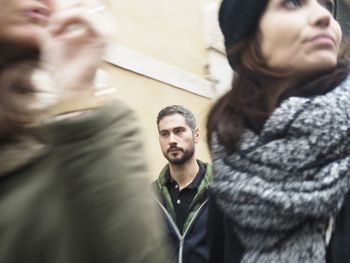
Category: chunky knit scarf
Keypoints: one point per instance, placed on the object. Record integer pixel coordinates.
(281, 188)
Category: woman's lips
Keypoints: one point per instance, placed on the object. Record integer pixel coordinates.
(323, 39)
(39, 13)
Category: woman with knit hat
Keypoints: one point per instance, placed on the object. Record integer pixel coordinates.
(279, 138)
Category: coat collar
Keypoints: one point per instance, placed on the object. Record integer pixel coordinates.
(17, 154)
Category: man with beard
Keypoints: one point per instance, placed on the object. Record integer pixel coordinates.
(182, 186)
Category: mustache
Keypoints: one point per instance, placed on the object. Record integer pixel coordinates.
(174, 148)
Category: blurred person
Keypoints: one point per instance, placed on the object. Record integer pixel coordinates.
(72, 181)
(182, 186)
(279, 138)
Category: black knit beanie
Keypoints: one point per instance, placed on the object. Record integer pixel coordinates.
(239, 19)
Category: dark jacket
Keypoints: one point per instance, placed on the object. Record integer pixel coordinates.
(225, 247)
(338, 250)
(191, 246)
(77, 198)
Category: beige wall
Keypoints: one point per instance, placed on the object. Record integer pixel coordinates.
(169, 31)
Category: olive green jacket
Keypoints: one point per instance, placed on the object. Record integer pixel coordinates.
(81, 196)
(197, 200)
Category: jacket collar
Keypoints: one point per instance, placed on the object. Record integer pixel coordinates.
(17, 154)
(162, 178)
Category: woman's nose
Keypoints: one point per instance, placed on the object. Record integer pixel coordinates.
(320, 16)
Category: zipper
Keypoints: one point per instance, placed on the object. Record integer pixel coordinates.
(181, 237)
(194, 216)
(188, 227)
(168, 217)
(181, 249)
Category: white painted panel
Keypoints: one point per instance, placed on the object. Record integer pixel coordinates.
(220, 72)
(212, 33)
(142, 64)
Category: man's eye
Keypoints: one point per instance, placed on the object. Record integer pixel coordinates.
(179, 131)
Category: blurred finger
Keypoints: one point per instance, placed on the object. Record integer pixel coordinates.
(79, 17)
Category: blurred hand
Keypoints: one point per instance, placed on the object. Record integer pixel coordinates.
(73, 46)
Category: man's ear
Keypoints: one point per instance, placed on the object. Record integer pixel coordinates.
(347, 2)
(196, 135)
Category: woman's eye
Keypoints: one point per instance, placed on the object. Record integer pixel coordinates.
(291, 4)
(329, 5)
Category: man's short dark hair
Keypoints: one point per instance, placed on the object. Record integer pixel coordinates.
(179, 109)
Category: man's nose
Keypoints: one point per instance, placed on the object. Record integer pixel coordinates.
(172, 139)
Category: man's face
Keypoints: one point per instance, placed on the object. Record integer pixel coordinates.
(177, 140)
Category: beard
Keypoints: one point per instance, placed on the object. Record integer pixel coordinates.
(187, 155)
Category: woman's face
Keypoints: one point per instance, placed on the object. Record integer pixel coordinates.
(22, 21)
(300, 36)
